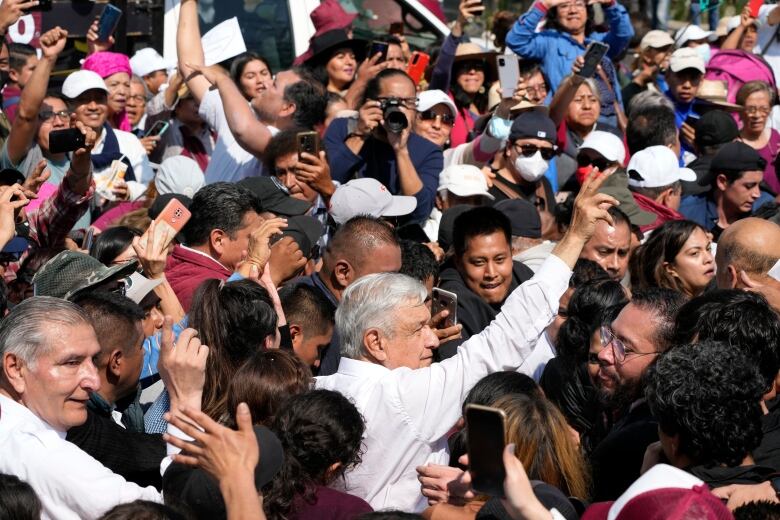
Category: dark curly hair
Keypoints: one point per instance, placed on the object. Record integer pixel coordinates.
(742, 319)
(317, 429)
(553, 23)
(708, 394)
(586, 308)
(665, 305)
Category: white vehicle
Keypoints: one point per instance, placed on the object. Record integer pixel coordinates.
(279, 30)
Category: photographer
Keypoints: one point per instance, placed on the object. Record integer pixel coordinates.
(381, 144)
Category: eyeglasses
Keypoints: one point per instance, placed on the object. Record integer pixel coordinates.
(409, 102)
(48, 115)
(600, 163)
(618, 347)
(138, 98)
(577, 4)
(471, 65)
(539, 90)
(430, 115)
(528, 150)
(751, 111)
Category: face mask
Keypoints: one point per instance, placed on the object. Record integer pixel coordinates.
(531, 168)
(704, 51)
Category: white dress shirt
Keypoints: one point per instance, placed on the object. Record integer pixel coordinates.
(70, 483)
(408, 413)
(130, 146)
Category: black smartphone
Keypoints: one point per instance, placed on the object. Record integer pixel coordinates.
(67, 140)
(108, 22)
(159, 128)
(445, 300)
(378, 47)
(43, 5)
(593, 56)
(486, 437)
(308, 142)
(88, 239)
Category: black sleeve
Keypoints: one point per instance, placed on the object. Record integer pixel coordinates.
(134, 456)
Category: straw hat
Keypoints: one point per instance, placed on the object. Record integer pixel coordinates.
(715, 92)
(472, 52)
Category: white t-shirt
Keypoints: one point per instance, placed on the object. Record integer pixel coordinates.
(230, 162)
(131, 147)
(766, 34)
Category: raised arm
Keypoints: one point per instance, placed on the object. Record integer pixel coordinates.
(523, 38)
(620, 29)
(190, 49)
(25, 125)
(442, 70)
(249, 132)
(510, 338)
(566, 92)
(745, 21)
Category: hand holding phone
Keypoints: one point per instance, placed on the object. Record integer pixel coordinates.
(108, 22)
(508, 74)
(159, 128)
(445, 301)
(168, 223)
(755, 6)
(378, 47)
(486, 436)
(67, 140)
(593, 56)
(308, 142)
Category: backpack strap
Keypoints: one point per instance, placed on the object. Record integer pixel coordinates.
(769, 43)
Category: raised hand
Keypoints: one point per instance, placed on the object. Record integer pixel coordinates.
(182, 366)
(590, 206)
(12, 200)
(442, 329)
(315, 171)
(93, 43)
(287, 259)
(260, 241)
(212, 73)
(81, 162)
(11, 11)
(38, 177)
(152, 250)
(53, 42)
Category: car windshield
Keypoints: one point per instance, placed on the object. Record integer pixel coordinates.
(375, 16)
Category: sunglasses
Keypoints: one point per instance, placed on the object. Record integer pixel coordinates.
(528, 150)
(600, 163)
(430, 115)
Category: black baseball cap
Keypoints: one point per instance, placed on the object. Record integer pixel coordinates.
(447, 224)
(714, 128)
(306, 231)
(274, 197)
(523, 216)
(734, 157)
(533, 124)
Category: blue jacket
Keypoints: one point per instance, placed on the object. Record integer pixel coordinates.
(377, 160)
(703, 210)
(557, 50)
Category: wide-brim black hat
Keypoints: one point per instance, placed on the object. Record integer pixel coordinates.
(323, 46)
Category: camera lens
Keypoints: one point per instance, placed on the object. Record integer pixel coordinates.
(395, 119)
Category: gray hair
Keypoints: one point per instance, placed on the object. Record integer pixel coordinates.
(593, 86)
(648, 99)
(373, 301)
(24, 331)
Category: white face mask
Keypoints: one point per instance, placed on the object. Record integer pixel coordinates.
(531, 168)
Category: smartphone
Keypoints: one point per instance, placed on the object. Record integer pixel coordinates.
(88, 239)
(308, 142)
(43, 5)
(486, 438)
(159, 128)
(378, 47)
(67, 140)
(508, 74)
(172, 219)
(417, 65)
(692, 121)
(109, 19)
(754, 6)
(596, 51)
(445, 300)
(396, 29)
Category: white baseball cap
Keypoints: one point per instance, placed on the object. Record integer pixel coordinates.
(137, 286)
(693, 33)
(179, 174)
(146, 61)
(686, 58)
(428, 99)
(607, 144)
(656, 39)
(80, 81)
(656, 166)
(368, 196)
(464, 180)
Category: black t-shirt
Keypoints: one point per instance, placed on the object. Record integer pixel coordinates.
(528, 192)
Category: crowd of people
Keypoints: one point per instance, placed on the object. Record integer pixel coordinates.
(368, 255)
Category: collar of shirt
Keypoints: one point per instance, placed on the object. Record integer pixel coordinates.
(204, 254)
(18, 417)
(361, 369)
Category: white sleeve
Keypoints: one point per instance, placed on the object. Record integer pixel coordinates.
(142, 168)
(212, 111)
(432, 397)
(763, 14)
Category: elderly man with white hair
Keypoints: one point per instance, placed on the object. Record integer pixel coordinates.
(387, 346)
(47, 346)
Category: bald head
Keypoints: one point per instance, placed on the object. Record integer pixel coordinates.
(751, 245)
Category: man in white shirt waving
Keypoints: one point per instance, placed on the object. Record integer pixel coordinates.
(47, 346)
(410, 405)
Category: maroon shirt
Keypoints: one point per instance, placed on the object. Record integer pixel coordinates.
(329, 504)
(186, 270)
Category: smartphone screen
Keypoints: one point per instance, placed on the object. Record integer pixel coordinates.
(593, 56)
(445, 300)
(159, 128)
(109, 19)
(378, 48)
(486, 439)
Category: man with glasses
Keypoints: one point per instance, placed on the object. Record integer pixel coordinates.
(373, 146)
(526, 157)
(643, 329)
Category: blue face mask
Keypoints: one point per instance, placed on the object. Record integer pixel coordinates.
(704, 51)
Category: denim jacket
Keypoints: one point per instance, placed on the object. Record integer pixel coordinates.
(557, 50)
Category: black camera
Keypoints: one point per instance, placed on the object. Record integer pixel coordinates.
(395, 119)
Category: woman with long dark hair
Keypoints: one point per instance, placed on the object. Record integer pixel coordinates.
(677, 256)
(335, 59)
(321, 433)
(568, 31)
(252, 73)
